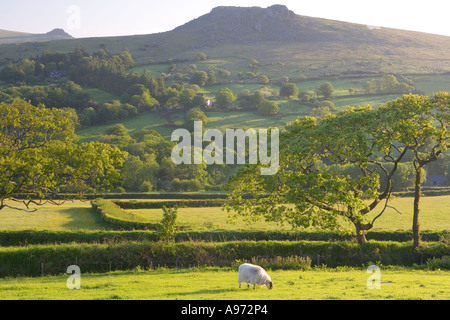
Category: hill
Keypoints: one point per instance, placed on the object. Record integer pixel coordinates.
(287, 43)
(14, 37)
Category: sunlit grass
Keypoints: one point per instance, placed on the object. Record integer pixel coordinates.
(434, 215)
(214, 284)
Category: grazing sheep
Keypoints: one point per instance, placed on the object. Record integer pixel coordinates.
(252, 274)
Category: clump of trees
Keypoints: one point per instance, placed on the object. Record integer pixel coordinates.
(257, 102)
(101, 70)
(388, 84)
(149, 166)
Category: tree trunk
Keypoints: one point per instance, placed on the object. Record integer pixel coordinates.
(417, 194)
(360, 234)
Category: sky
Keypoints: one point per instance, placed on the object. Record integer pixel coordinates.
(93, 18)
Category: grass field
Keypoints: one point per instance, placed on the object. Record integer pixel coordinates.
(214, 284)
(71, 216)
(433, 217)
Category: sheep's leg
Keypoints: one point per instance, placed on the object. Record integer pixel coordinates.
(254, 286)
(239, 285)
(248, 284)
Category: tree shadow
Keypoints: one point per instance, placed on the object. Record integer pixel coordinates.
(82, 218)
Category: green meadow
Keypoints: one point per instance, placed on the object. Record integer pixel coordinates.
(221, 284)
(79, 215)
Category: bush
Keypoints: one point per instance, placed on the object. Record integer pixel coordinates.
(439, 263)
(167, 229)
(288, 89)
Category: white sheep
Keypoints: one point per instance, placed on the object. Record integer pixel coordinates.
(252, 274)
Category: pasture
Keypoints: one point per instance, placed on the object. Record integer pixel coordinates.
(79, 216)
(54, 237)
(221, 284)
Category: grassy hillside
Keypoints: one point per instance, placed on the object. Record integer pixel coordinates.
(284, 42)
(14, 37)
(8, 33)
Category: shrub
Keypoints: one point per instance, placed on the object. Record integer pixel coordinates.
(288, 89)
(439, 263)
(167, 229)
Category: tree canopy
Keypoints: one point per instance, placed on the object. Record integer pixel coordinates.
(41, 159)
(312, 188)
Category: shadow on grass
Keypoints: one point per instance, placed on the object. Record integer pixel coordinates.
(205, 291)
(83, 218)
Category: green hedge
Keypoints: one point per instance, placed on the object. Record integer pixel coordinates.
(128, 196)
(118, 218)
(54, 259)
(29, 237)
(172, 203)
(427, 191)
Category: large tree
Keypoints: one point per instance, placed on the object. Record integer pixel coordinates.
(41, 160)
(422, 124)
(308, 190)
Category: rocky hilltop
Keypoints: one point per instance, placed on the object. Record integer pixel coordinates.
(276, 23)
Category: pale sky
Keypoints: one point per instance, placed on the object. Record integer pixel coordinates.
(92, 18)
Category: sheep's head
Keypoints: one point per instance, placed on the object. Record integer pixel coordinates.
(269, 285)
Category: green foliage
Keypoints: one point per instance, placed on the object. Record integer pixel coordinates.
(200, 56)
(224, 98)
(325, 90)
(40, 158)
(199, 78)
(288, 89)
(258, 102)
(267, 107)
(140, 97)
(388, 84)
(117, 130)
(167, 229)
(317, 194)
(17, 261)
(195, 114)
(263, 79)
(66, 94)
(173, 203)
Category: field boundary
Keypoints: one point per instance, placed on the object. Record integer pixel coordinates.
(31, 237)
(94, 258)
(113, 215)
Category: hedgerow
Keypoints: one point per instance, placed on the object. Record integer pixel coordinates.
(37, 260)
(119, 218)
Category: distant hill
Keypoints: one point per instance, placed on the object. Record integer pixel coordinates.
(14, 37)
(284, 42)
